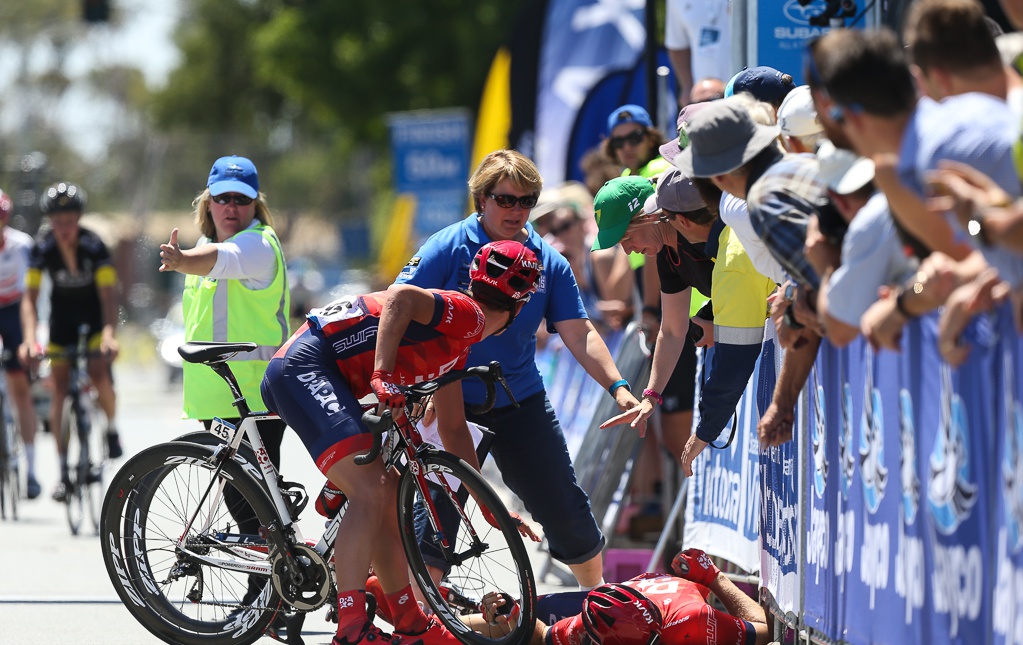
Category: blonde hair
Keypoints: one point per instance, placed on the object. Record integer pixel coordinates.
(498, 166)
(204, 219)
(761, 112)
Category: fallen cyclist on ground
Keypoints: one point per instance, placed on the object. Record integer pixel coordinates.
(648, 609)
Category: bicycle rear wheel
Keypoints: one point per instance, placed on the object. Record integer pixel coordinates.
(167, 577)
(478, 559)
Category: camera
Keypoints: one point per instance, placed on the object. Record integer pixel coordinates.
(834, 13)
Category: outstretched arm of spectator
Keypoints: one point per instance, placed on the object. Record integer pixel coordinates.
(962, 305)
(197, 261)
(913, 213)
(775, 427)
(670, 339)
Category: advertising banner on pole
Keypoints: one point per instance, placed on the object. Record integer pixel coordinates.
(430, 151)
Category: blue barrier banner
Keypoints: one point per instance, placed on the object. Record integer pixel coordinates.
(781, 524)
(430, 151)
(828, 553)
(723, 504)
(955, 421)
(1007, 623)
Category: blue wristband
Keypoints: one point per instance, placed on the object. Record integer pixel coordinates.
(617, 384)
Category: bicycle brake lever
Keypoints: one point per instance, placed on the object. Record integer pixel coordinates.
(376, 425)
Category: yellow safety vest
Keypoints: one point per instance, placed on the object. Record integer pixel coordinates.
(227, 311)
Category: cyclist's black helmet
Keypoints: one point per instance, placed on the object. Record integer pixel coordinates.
(62, 197)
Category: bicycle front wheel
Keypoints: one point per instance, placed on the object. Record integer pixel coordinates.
(457, 542)
(175, 555)
(75, 440)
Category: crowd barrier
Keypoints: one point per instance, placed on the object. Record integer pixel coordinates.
(897, 516)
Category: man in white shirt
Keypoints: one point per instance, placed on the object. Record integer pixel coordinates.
(698, 36)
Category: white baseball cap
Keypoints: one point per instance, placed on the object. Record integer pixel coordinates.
(843, 171)
(796, 114)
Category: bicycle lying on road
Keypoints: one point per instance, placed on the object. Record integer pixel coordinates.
(181, 566)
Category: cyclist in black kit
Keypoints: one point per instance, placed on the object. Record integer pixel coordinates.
(84, 292)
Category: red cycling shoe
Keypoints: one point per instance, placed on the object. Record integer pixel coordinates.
(370, 633)
(434, 634)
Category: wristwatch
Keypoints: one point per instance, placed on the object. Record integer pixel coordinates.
(790, 291)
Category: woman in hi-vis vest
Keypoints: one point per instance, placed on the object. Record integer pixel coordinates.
(236, 290)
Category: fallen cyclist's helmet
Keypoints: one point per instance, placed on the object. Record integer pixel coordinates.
(62, 197)
(509, 267)
(615, 614)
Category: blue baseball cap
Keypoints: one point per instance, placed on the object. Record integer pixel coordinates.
(764, 83)
(233, 175)
(629, 114)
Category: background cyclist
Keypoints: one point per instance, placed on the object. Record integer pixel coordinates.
(84, 292)
(15, 247)
(376, 343)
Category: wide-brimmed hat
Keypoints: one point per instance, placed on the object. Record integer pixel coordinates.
(723, 137)
(671, 149)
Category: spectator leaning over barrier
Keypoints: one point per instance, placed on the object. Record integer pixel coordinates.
(862, 80)
(739, 296)
(782, 192)
(801, 129)
(871, 255)
(764, 83)
(528, 444)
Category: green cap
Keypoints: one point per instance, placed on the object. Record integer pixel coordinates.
(616, 203)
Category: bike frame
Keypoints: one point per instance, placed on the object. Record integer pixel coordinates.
(404, 441)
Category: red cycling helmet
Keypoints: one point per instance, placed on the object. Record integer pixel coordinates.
(6, 205)
(615, 614)
(509, 267)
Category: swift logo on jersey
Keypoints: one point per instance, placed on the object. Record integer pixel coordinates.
(342, 344)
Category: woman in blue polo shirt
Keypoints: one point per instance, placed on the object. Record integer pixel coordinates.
(528, 447)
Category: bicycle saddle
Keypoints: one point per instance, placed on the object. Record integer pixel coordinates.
(209, 352)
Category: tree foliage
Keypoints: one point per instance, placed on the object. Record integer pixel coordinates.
(338, 64)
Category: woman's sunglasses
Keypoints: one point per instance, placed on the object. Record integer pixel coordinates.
(227, 198)
(634, 138)
(508, 201)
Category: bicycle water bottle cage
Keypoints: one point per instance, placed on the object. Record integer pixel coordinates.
(295, 497)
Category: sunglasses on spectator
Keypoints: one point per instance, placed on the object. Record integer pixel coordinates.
(508, 201)
(227, 198)
(634, 138)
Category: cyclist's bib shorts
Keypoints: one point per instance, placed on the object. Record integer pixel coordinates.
(307, 390)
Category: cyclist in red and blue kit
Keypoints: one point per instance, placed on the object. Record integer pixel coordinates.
(377, 343)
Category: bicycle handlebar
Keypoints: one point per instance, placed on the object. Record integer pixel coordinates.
(489, 374)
